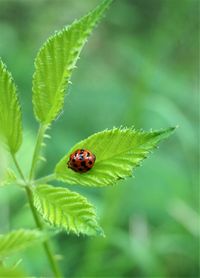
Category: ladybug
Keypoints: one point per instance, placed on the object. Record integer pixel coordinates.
(81, 161)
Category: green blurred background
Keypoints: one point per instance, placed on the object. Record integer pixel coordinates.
(140, 67)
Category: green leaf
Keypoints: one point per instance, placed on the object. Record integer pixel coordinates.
(3, 163)
(8, 178)
(17, 240)
(66, 210)
(118, 152)
(55, 62)
(11, 272)
(10, 113)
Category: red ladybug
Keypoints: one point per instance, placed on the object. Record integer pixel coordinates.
(81, 161)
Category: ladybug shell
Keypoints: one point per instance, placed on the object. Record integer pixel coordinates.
(81, 161)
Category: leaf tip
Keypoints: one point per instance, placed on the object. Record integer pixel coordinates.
(172, 129)
(100, 232)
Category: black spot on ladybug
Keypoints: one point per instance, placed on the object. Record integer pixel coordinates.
(83, 163)
(81, 157)
(90, 162)
(80, 169)
(73, 159)
(88, 154)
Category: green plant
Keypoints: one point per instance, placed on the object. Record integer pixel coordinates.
(118, 151)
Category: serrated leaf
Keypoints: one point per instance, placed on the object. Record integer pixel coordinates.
(66, 210)
(10, 113)
(17, 240)
(55, 62)
(117, 151)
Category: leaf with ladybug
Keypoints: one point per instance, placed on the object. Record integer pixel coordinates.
(55, 62)
(117, 153)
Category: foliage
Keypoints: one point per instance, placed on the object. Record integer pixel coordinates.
(66, 210)
(9, 177)
(118, 151)
(17, 240)
(58, 58)
(10, 114)
(11, 272)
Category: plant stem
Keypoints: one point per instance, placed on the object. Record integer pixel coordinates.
(37, 149)
(46, 245)
(52, 261)
(34, 213)
(45, 179)
(18, 168)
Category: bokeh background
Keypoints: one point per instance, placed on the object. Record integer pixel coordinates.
(139, 68)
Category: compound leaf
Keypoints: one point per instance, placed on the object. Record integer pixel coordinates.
(66, 210)
(10, 113)
(55, 62)
(17, 240)
(117, 151)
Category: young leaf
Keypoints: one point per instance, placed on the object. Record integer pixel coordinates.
(55, 62)
(10, 114)
(117, 151)
(66, 210)
(18, 240)
(8, 178)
